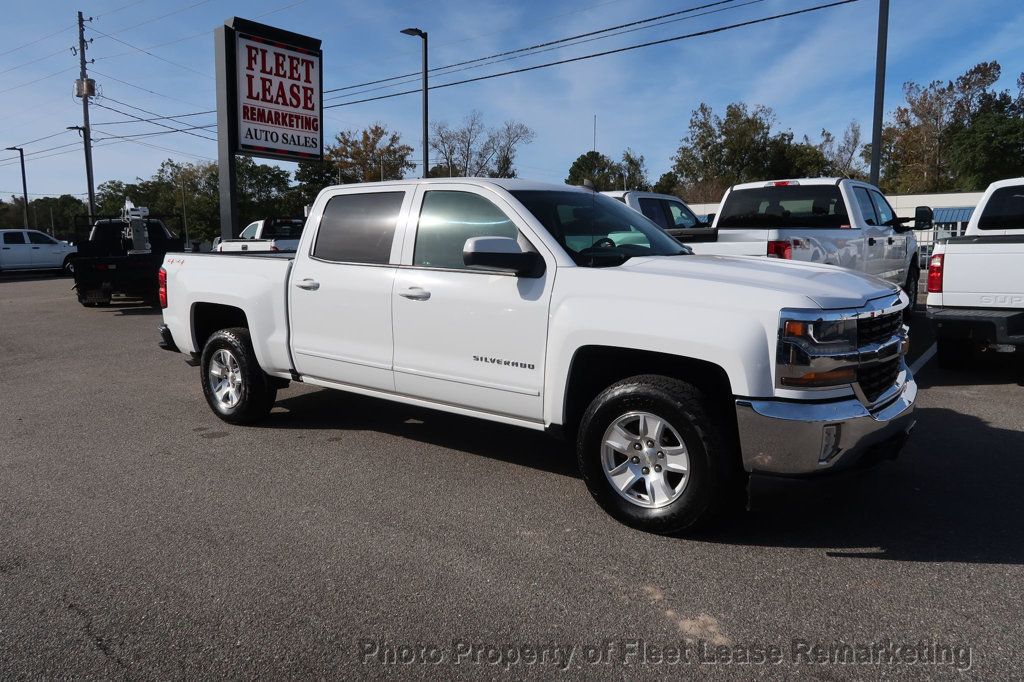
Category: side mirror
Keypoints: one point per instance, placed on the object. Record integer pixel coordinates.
(924, 218)
(502, 254)
(710, 219)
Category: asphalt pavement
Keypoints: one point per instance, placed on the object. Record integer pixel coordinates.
(141, 537)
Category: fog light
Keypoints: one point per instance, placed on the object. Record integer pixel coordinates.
(835, 377)
(829, 442)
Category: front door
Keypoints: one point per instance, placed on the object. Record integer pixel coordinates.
(15, 251)
(341, 293)
(874, 234)
(46, 252)
(895, 242)
(468, 337)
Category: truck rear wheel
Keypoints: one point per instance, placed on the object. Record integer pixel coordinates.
(235, 386)
(655, 457)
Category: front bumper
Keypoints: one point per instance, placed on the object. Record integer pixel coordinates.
(791, 438)
(984, 325)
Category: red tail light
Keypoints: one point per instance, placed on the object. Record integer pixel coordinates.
(935, 274)
(161, 278)
(780, 248)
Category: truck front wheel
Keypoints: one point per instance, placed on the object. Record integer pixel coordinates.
(235, 386)
(655, 457)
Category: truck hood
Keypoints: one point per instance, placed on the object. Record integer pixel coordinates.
(828, 286)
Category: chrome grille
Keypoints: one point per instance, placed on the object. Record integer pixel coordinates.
(878, 329)
(876, 379)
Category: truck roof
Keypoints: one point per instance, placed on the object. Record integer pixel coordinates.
(507, 184)
(796, 181)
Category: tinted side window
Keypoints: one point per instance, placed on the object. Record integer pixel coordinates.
(681, 217)
(14, 237)
(1004, 210)
(866, 207)
(885, 213)
(448, 219)
(359, 228)
(40, 238)
(653, 210)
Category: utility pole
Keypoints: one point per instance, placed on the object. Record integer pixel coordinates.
(415, 32)
(184, 215)
(595, 133)
(876, 132)
(85, 88)
(24, 183)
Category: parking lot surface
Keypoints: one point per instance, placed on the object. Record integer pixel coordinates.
(140, 536)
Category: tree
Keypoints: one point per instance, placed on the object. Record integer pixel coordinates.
(372, 154)
(604, 173)
(313, 176)
(668, 183)
(473, 150)
(634, 171)
(843, 156)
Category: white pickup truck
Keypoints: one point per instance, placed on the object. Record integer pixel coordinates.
(556, 308)
(269, 234)
(976, 282)
(836, 221)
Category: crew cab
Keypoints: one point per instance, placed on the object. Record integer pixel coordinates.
(837, 221)
(976, 282)
(556, 308)
(33, 250)
(668, 212)
(269, 234)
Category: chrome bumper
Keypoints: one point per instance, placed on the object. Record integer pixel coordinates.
(792, 438)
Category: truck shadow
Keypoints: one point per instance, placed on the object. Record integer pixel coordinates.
(953, 496)
(327, 409)
(983, 369)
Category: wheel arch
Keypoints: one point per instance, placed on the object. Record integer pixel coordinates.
(207, 318)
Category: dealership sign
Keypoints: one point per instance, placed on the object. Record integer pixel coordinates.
(274, 80)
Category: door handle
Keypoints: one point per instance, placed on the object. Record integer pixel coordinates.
(871, 241)
(308, 284)
(415, 294)
(35, 248)
(891, 241)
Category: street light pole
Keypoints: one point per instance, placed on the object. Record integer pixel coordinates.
(24, 183)
(426, 140)
(876, 132)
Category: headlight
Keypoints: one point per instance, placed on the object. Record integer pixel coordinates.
(817, 353)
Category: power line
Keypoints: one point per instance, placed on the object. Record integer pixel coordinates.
(34, 61)
(36, 80)
(125, 113)
(663, 41)
(39, 139)
(152, 92)
(158, 118)
(155, 146)
(558, 47)
(38, 40)
(118, 9)
(162, 16)
(537, 46)
(154, 56)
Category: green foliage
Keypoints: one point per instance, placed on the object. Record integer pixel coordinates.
(605, 174)
(62, 210)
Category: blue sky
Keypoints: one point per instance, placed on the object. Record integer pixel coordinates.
(815, 70)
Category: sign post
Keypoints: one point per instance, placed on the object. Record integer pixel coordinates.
(269, 102)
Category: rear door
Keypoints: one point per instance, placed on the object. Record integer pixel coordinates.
(46, 251)
(15, 251)
(340, 289)
(466, 337)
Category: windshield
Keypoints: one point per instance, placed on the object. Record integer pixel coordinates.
(283, 228)
(597, 230)
(785, 206)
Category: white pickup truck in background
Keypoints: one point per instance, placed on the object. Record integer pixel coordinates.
(976, 282)
(556, 308)
(269, 234)
(836, 221)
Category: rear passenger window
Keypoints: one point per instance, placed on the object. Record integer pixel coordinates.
(448, 219)
(359, 228)
(14, 237)
(653, 209)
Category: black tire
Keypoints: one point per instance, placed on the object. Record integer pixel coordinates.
(256, 392)
(69, 266)
(715, 480)
(912, 286)
(953, 353)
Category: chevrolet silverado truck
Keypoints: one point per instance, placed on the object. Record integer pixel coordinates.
(837, 221)
(976, 282)
(556, 308)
